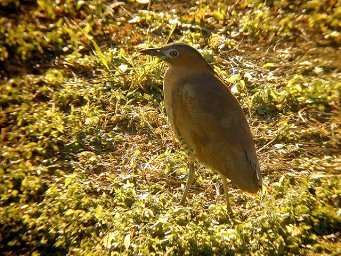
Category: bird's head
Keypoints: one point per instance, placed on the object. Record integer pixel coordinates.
(178, 54)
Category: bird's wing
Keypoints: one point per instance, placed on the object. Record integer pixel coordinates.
(214, 123)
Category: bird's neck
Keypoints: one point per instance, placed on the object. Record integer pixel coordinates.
(179, 74)
(183, 70)
(199, 65)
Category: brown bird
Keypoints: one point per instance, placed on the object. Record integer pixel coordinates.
(207, 119)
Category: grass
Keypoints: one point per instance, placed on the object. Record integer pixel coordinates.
(90, 166)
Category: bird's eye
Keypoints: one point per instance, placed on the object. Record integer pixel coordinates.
(173, 53)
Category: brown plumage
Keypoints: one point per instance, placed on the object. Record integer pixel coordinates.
(207, 118)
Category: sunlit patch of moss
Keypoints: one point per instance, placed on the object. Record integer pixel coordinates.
(54, 76)
(291, 20)
(297, 94)
(136, 72)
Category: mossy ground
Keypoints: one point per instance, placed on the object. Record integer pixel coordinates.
(89, 165)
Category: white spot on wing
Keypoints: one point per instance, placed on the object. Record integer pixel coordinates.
(188, 91)
(226, 122)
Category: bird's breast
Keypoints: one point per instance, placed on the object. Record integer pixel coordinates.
(173, 106)
(178, 98)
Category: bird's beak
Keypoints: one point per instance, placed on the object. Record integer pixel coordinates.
(153, 52)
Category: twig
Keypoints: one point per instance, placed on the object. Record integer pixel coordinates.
(267, 144)
(300, 115)
(171, 33)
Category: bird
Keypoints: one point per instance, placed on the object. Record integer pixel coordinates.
(207, 118)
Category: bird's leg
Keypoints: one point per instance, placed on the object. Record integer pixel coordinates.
(226, 194)
(190, 180)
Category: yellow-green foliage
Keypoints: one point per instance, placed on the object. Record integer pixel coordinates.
(294, 19)
(89, 164)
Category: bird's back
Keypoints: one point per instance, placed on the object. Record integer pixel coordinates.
(209, 120)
